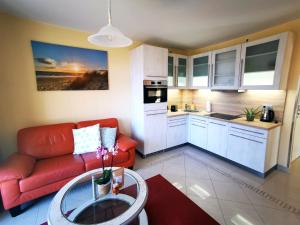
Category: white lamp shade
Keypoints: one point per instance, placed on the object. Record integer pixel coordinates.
(110, 37)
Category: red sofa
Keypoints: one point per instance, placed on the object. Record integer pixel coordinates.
(45, 162)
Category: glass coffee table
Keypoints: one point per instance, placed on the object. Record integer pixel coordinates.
(75, 202)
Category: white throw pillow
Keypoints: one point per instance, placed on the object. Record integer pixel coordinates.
(86, 139)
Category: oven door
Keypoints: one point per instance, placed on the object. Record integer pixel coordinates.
(155, 94)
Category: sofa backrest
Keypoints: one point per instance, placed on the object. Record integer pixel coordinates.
(47, 141)
(110, 122)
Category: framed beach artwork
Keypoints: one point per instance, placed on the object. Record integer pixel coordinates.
(59, 67)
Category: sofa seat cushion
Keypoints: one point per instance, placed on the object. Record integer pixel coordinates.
(91, 162)
(47, 171)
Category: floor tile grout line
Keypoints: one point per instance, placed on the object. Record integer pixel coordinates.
(217, 197)
(260, 192)
(257, 213)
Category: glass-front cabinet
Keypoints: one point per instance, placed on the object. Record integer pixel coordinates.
(226, 68)
(261, 63)
(177, 70)
(200, 70)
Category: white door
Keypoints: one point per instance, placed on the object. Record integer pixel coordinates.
(262, 62)
(217, 137)
(177, 134)
(155, 63)
(200, 70)
(155, 131)
(182, 70)
(247, 150)
(198, 135)
(296, 142)
(226, 68)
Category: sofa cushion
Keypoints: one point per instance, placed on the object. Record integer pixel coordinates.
(86, 139)
(47, 171)
(111, 122)
(91, 162)
(46, 141)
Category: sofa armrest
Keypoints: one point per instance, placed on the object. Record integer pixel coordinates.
(125, 143)
(17, 166)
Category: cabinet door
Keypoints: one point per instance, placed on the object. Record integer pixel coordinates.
(181, 73)
(200, 70)
(155, 131)
(171, 71)
(262, 61)
(155, 62)
(217, 137)
(198, 135)
(247, 150)
(177, 134)
(226, 68)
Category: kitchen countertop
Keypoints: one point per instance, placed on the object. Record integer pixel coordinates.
(242, 121)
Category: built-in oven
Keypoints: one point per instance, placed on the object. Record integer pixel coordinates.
(155, 91)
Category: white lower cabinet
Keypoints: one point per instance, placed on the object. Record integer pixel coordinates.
(247, 150)
(198, 131)
(251, 147)
(156, 127)
(217, 137)
(177, 131)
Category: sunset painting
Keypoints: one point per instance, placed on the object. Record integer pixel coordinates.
(59, 67)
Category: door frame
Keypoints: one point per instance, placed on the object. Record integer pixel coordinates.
(297, 100)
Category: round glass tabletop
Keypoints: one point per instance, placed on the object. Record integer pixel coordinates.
(77, 203)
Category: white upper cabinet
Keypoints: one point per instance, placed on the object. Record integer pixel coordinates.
(177, 70)
(155, 62)
(262, 63)
(226, 68)
(200, 70)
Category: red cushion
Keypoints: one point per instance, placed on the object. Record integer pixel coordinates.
(91, 162)
(111, 122)
(47, 171)
(47, 141)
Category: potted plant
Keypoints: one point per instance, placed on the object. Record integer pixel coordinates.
(251, 113)
(103, 183)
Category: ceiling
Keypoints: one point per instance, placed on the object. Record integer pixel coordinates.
(183, 24)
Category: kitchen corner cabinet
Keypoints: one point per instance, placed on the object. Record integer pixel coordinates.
(226, 68)
(262, 63)
(177, 131)
(177, 71)
(217, 137)
(200, 70)
(155, 62)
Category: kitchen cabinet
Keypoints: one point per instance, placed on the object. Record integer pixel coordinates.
(262, 63)
(217, 137)
(226, 68)
(155, 62)
(155, 126)
(176, 131)
(254, 148)
(177, 70)
(200, 70)
(198, 131)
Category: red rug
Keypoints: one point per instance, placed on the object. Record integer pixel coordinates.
(167, 205)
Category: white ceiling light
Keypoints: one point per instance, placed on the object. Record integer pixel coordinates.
(110, 36)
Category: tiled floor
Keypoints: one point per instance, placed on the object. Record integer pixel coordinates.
(212, 184)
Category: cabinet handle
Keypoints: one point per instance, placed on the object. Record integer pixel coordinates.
(152, 114)
(218, 124)
(197, 120)
(246, 138)
(155, 76)
(248, 130)
(177, 125)
(198, 125)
